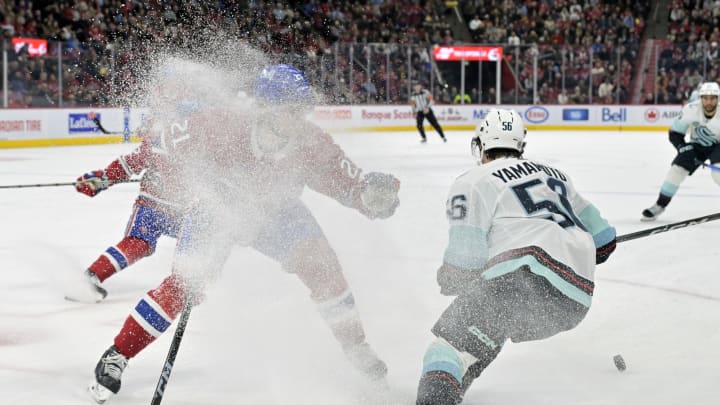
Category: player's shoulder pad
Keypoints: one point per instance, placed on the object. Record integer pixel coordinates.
(692, 106)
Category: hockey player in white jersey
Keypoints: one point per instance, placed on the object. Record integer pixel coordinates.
(700, 124)
(523, 245)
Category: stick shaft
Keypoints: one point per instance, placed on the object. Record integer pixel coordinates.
(668, 227)
(71, 183)
(68, 183)
(172, 353)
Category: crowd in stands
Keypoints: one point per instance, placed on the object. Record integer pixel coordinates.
(688, 56)
(99, 42)
(363, 51)
(582, 45)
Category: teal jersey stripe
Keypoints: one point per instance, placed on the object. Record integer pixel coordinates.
(538, 268)
(467, 247)
(598, 227)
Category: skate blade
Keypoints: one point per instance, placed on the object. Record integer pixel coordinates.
(83, 300)
(98, 393)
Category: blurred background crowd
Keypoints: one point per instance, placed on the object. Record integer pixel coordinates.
(372, 51)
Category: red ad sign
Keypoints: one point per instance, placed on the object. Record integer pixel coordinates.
(470, 53)
(34, 46)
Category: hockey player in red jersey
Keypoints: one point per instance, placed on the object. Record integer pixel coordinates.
(153, 214)
(249, 195)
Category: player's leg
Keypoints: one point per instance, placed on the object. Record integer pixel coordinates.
(714, 157)
(682, 166)
(141, 234)
(519, 305)
(294, 238)
(419, 123)
(434, 122)
(470, 334)
(198, 257)
(150, 318)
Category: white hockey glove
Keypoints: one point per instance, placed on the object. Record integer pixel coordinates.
(379, 196)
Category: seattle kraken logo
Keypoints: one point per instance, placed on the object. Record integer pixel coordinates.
(704, 136)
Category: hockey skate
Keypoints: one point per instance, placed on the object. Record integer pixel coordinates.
(90, 291)
(366, 361)
(438, 388)
(651, 214)
(108, 373)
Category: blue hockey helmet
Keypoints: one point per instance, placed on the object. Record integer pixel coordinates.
(282, 84)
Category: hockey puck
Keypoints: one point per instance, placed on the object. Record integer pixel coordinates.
(619, 362)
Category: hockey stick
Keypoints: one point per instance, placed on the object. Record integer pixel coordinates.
(172, 353)
(94, 117)
(711, 167)
(99, 126)
(69, 183)
(668, 227)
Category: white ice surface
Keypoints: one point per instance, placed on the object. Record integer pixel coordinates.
(258, 339)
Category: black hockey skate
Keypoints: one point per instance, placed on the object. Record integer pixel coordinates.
(90, 291)
(438, 388)
(651, 214)
(108, 374)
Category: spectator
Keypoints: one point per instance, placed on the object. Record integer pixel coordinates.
(605, 91)
(563, 97)
(649, 99)
(578, 97)
(462, 99)
(513, 39)
(475, 24)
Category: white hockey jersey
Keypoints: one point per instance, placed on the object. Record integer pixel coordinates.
(512, 213)
(692, 121)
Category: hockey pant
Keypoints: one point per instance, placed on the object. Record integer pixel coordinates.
(691, 161)
(145, 226)
(519, 306)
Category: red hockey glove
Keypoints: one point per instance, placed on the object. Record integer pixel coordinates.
(379, 195)
(92, 183)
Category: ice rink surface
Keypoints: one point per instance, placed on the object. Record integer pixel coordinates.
(259, 340)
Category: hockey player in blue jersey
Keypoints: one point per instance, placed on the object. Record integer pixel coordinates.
(521, 256)
(700, 124)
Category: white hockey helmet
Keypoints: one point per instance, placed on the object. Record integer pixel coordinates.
(709, 89)
(500, 128)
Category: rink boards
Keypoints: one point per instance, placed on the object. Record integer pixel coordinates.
(57, 127)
